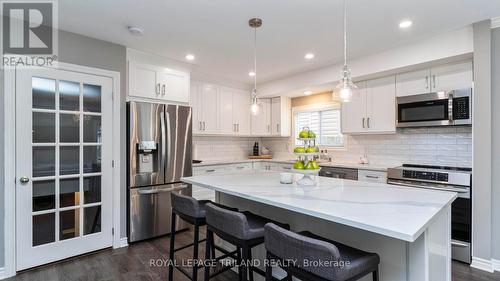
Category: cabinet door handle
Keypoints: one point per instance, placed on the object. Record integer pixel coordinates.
(157, 88)
(210, 171)
(434, 81)
(204, 126)
(363, 122)
(427, 82)
(163, 90)
(371, 177)
(238, 128)
(201, 126)
(368, 122)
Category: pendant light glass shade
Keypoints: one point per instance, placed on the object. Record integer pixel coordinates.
(254, 107)
(345, 88)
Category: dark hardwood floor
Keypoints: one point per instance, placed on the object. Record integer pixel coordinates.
(133, 264)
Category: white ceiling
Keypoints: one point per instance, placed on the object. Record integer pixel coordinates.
(217, 32)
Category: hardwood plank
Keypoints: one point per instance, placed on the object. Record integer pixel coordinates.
(132, 264)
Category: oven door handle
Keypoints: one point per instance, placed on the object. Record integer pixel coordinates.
(457, 190)
(460, 244)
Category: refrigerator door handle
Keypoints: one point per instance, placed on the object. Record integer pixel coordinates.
(168, 141)
(161, 190)
(163, 140)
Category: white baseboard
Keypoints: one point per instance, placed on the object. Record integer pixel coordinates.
(496, 264)
(482, 264)
(123, 242)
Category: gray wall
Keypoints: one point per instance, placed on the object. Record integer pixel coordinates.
(81, 50)
(481, 137)
(495, 198)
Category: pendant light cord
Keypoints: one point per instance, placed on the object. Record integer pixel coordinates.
(255, 59)
(345, 32)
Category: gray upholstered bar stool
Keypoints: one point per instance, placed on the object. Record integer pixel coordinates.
(192, 211)
(305, 248)
(244, 230)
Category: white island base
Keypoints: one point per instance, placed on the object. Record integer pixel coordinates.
(409, 228)
(426, 259)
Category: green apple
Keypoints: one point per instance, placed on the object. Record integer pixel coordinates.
(311, 135)
(309, 166)
(316, 149)
(315, 165)
(299, 149)
(310, 149)
(299, 165)
(304, 134)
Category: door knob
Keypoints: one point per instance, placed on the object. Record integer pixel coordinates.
(24, 179)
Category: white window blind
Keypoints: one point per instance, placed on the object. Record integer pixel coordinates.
(325, 123)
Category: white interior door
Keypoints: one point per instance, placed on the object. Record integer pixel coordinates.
(63, 165)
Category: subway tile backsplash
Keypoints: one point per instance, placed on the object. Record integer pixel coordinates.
(438, 146)
(450, 146)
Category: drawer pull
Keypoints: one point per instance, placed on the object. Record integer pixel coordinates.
(210, 171)
(371, 177)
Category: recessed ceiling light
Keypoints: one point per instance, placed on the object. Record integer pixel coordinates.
(190, 57)
(405, 24)
(309, 56)
(134, 30)
(251, 74)
(307, 92)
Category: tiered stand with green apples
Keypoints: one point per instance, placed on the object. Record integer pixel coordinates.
(306, 164)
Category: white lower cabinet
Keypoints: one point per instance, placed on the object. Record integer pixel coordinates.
(372, 176)
(201, 193)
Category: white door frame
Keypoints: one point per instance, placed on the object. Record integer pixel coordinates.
(10, 160)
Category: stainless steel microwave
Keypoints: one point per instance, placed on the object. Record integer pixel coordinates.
(435, 109)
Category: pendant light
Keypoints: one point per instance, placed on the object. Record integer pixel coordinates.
(345, 87)
(255, 23)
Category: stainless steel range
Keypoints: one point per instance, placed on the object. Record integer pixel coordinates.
(446, 179)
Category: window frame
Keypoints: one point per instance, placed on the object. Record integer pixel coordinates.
(318, 107)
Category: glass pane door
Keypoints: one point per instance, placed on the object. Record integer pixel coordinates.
(66, 142)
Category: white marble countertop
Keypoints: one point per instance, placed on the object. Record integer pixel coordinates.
(370, 167)
(399, 212)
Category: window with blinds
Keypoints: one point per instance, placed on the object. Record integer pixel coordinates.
(325, 123)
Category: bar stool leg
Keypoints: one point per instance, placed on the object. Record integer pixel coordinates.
(244, 268)
(172, 245)
(195, 251)
(213, 247)
(238, 263)
(269, 269)
(375, 275)
(250, 267)
(208, 246)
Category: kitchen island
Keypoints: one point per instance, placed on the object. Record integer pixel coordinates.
(409, 228)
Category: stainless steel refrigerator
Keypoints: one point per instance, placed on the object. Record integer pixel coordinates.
(159, 154)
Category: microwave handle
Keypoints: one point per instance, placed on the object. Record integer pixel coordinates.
(450, 107)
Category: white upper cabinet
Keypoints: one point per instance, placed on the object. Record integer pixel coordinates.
(204, 101)
(354, 112)
(372, 109)
(441, 78)
(261, 122)
(281, 116)
(241, 112)
(226, 124)
(381, 105)
(174, 85)
(413, 83)
(143, 81)
(451, 77)
(156, 83)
